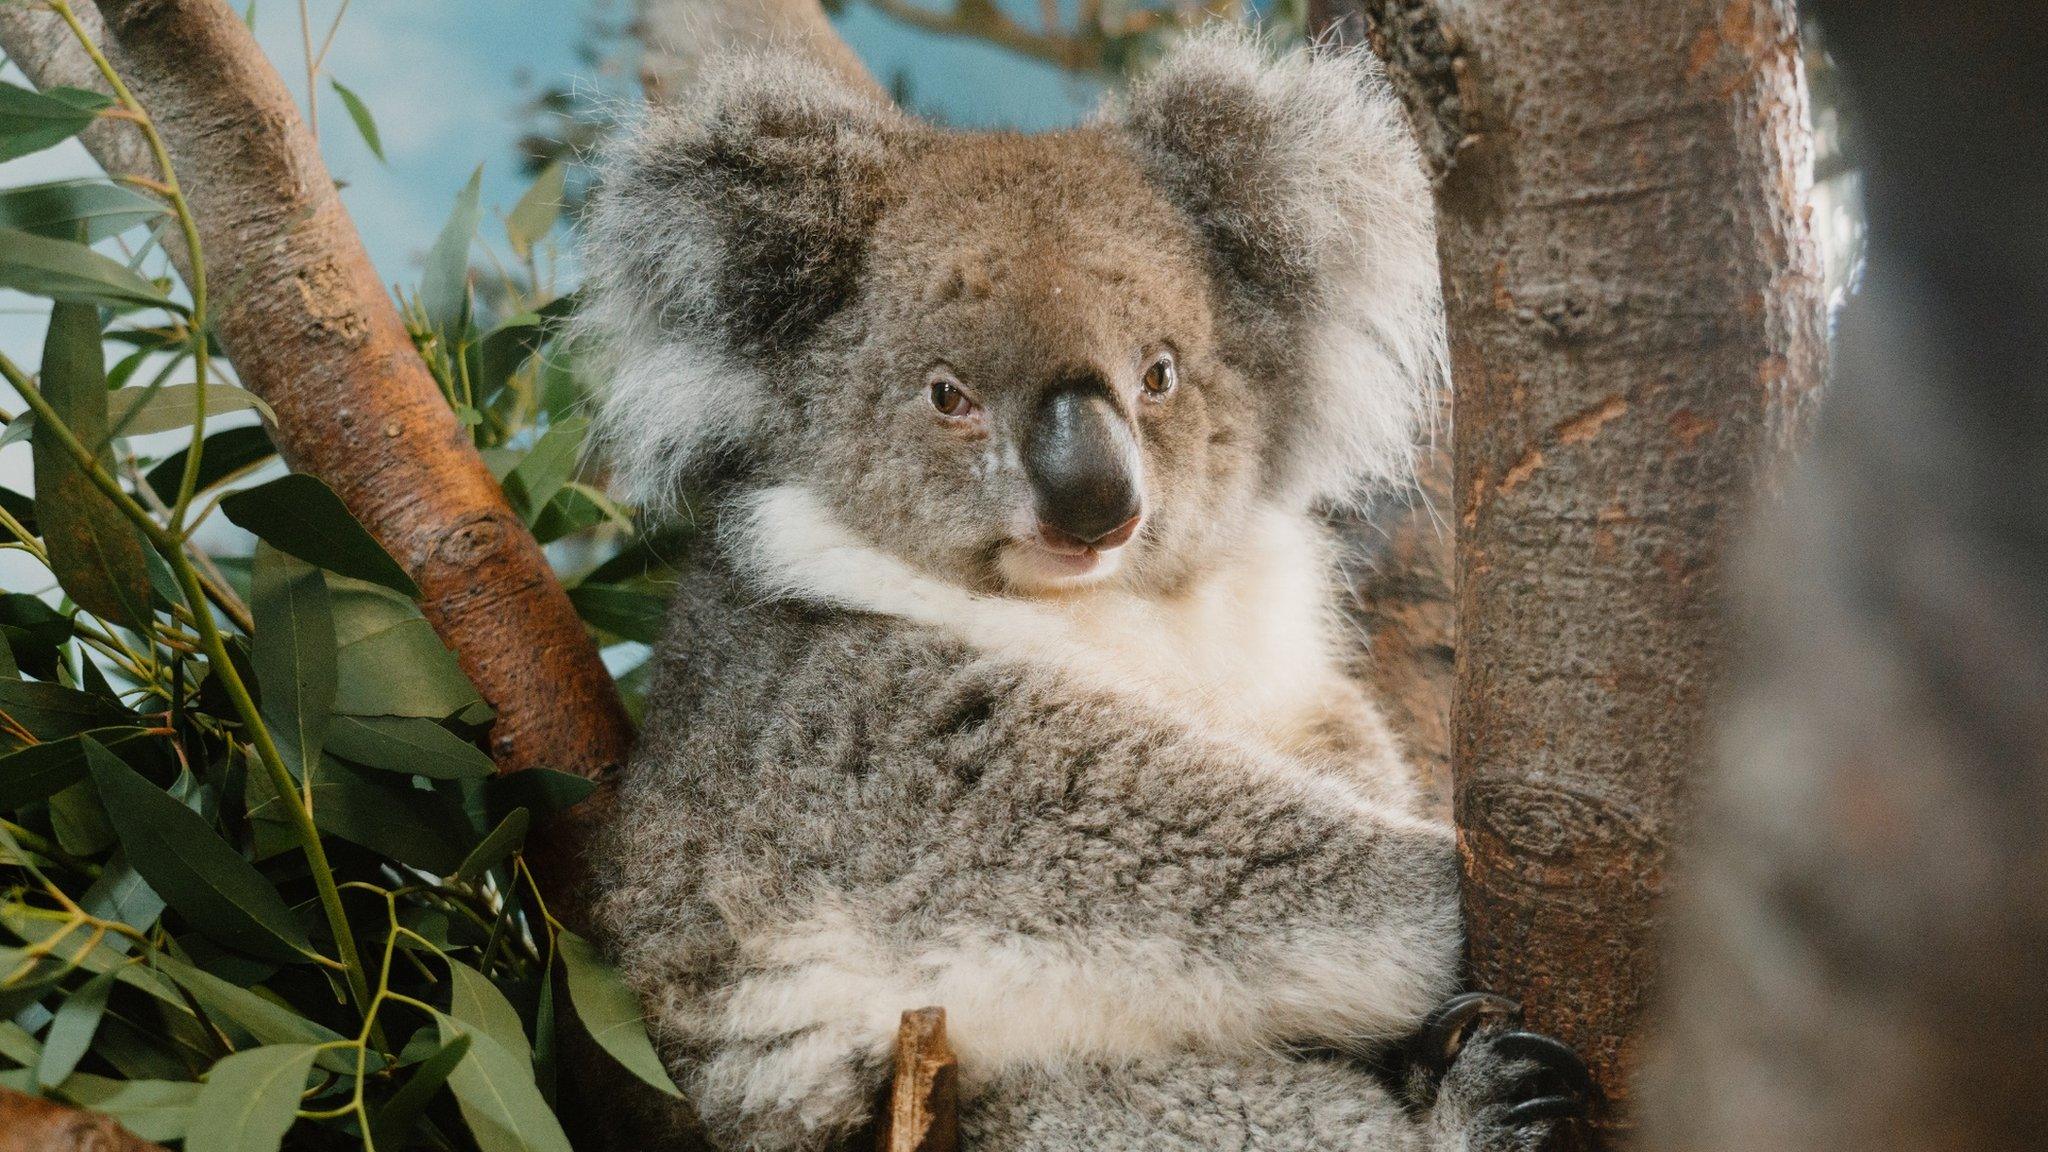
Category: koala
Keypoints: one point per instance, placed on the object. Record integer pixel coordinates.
(1006, 676)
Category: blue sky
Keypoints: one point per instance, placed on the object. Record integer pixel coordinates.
(442, 78)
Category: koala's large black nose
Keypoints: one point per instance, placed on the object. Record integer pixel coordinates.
(1083, 462)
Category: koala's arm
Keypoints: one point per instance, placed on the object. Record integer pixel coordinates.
(835, 823)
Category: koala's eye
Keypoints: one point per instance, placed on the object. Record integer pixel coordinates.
(1161, 377)
(947, 397)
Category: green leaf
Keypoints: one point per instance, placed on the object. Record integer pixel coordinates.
(227, 451)
(626, 612)
(64, 270)
(444, 292)
(263, 1019)
(40, 771)
(91, 210)
(476, 1001)
(71, 1032)
(143, 411)
(301, 515)
(496, 1092)
(403, 670)
(403, 744)
(17, 1045)
(610, 1011)
(194, 870)
(547, 466)
(122, 894)
(294, 653)
(423, 829)
(360, 113)
(95, 551)
(493, 849)
(52, 711)
(250, 1100)
(33, 121)
(151, 1109)
(542, 790)
(393, 1123)
(534, 216)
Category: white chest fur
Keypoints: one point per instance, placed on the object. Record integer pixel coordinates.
(1245, 651)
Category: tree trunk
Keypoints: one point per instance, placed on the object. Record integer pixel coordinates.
(311, 329)
(1861, 939)
(1635, 324)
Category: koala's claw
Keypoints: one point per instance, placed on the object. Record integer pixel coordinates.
(1444, 1034)
(1555, 1060)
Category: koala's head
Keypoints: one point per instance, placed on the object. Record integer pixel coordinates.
(1024, 363)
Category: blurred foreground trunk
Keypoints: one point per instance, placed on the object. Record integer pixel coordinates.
(1861, 939)
(1634, 309)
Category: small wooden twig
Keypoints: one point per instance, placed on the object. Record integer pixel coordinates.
(922, 1112)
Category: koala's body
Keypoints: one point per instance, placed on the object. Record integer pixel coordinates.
(1005, 679)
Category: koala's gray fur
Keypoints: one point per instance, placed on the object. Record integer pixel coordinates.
(1135, 830)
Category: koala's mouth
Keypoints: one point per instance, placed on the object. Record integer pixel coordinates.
(1050, 560)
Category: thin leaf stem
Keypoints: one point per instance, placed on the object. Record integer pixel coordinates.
(187, 224)
(169, 545)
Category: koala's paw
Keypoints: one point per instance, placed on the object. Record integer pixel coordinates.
(1495, 1086)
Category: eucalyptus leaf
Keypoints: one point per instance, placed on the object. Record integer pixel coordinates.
(360, 113)
(250, 1100)
(268, 1022)
(534, 216)
(151, 1109)
(625, 611)
(53, 712)
(548, 465)
(403, 670)
(493, 849)
(91, 210)
(610, 1011)
(423, 829)
(393, 1122)
(194, 870)
(542, 790)
(96, 552)
(145, 411)
(495, 1089)
(404, 744)
(225, 452)
(33, 121)
(17, 1045)
(294, 653)
(300, 515)
(71, 1032)
(40, 771)
(69, 271)
(474, 1000)
(444, 292)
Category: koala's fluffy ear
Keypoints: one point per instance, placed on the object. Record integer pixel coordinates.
(1301, 176)
(726, 229)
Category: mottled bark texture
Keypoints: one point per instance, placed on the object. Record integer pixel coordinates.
(1634, 309)
(312, 330)
(1860, 939)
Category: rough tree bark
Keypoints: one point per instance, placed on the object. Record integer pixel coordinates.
(1861, 930)
(1634, 310)
(311, 329)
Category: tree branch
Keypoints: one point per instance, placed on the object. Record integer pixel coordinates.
(311, 330)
